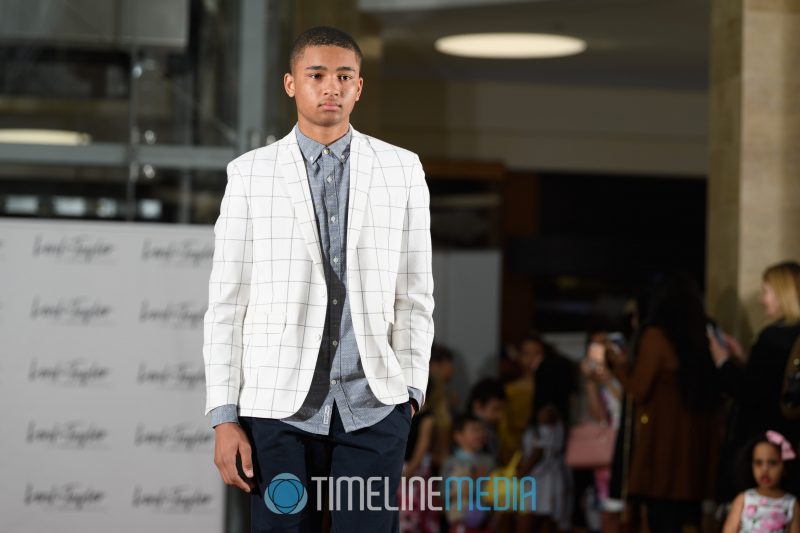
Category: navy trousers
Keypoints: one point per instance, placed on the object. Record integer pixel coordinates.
(287, 452)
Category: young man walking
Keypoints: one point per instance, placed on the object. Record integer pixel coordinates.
(319, 326)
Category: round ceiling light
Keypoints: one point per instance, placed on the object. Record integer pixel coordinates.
(32, 136)
(510, 45)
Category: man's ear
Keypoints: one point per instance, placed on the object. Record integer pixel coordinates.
(360, 88)
(288, 84)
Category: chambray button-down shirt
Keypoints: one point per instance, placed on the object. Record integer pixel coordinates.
(339, 381)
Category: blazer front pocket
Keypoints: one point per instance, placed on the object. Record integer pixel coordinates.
(262, 341)
(268, 323)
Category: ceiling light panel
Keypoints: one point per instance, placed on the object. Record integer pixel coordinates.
(510, 45)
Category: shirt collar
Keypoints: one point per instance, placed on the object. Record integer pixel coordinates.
(312, 150)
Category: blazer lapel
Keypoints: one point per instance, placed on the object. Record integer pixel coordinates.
(361, 159)
(293, 170)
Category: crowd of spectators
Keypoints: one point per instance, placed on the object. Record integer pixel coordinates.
(665, 424)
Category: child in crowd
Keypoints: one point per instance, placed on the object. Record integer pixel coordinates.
(467, 460)
(604, 403)
(766, 508)
(543, 459)
(487, 402)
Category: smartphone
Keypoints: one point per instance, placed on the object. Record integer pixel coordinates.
(717, 332)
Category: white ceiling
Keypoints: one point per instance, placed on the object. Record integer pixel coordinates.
(632, 43)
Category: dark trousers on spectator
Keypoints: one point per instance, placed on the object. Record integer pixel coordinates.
(375, 451)
(670, 516)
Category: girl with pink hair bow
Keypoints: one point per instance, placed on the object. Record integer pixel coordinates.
(767, 508)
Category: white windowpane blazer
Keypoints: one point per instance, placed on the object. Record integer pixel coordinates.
(267, 293)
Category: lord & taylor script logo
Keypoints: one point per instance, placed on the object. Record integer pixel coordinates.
(79, 311)
(185, 252)
(179, 375)
(182, 437)
(176, 315)
(79, 248)
(178, 499)
(67, 497)
(72, 372)
(73, 434)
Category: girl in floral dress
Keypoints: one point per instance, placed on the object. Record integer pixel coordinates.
(766, 508)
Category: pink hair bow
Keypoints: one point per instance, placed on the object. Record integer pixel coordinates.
(787, 454)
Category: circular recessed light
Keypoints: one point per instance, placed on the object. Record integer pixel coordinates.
(510, 45)
(30, 136)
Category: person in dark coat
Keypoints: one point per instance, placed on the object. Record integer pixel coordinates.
(756, 386)
(672, 383)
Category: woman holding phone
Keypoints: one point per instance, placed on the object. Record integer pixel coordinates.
(672, 384)
(756, 385)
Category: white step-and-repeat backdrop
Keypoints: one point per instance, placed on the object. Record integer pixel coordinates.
(101, 379)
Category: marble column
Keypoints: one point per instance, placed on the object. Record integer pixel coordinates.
(754, 182)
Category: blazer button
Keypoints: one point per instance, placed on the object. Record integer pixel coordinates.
(644, 419)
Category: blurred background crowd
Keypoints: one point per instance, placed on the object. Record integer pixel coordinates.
(568, 188)
(651, 428)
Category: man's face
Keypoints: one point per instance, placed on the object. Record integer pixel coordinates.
(325, 84)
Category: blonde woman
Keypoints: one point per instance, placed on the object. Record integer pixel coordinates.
(755, 386)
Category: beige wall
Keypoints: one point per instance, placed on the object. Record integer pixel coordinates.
(547, 127)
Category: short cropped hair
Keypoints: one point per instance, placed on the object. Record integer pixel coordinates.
(323, 36)
(460, 421)
(485, 390)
